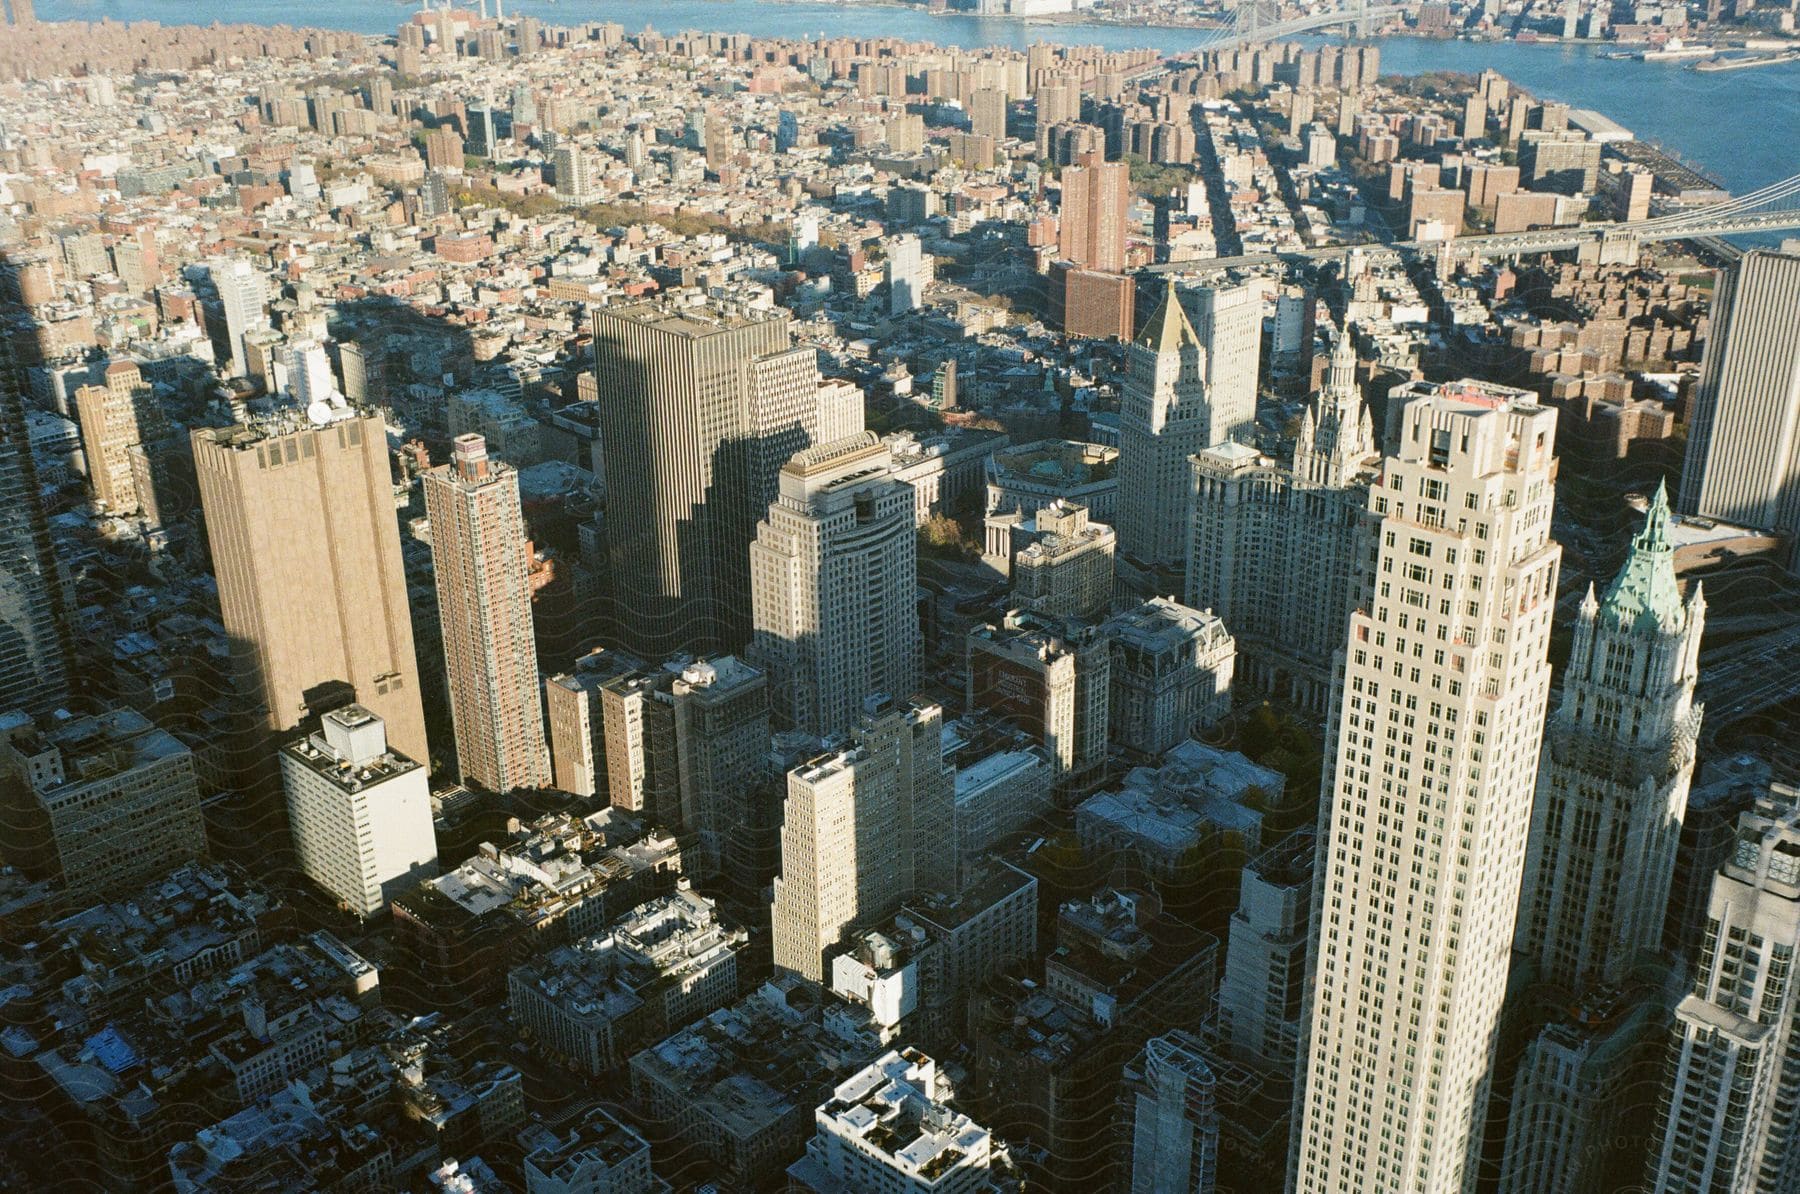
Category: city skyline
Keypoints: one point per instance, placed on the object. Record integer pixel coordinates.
(1204, 601)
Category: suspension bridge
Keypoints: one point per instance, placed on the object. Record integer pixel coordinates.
(1772, 208)
(1250, 26)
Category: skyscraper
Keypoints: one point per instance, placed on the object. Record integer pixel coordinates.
(1743, 453)
(834, 585)
(1612, 791)
(306, 548)
(1733, 1086)
(864, 829)
(483, 563)
(1164, 418)
(1228, 320)
(34, 642)
(905, 275)
(699, 409)
(1427, 799)
(1618, 757)
(1259, 522)
(1091, 231)
(244, 297)
(987, 113)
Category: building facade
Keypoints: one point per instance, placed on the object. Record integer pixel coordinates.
(360, 811)
(482, 560)
(1423, 847)
(834, 586)
(285, 497)
(703, 408)
(1258, 523)
(1743, 454)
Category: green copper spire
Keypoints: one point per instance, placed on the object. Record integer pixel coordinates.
(1646, 593)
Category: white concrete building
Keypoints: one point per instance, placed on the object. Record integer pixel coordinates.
(1427, 800)
(1258, 524)
(360, 813)
(834, 586)
(888, 1130)
(864, 828)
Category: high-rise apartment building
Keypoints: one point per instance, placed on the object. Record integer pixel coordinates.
(834, 585)
(1743, 453)
(98, 804)
(115, 418)
(1427, 798)
(1265, 957)
(1165, 416)
(482, 559)
(1091, 232)
(575, 181)
(360, 812)
(905, 274)
(865, 828)
(576, 722)
(987, 113)
(244, 296)
(701, 407)
(1611, 796)
(1732, 1092)
(34, 644)
(1172, 1114)
(287, 498)
(1258, 523)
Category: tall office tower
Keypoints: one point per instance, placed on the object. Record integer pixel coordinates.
(864, 829)
(34, 634)
(575, 181)
(1743, 454)
(1260, 522)
(1733, 1087)
(98, 804)
(1165, 416)
(1228, 320)
(244, 295)
(1612, 792)
(287, 501)
(1618, 757)
(1444, 665)
(1095, 196)
(360, 812)
(115, 418)
(987, 113)
(834, 586)
(702, 407)
(483, 563)
(1172, 1117)
(905, 275)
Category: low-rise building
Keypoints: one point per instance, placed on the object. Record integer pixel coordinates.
(591, 1003)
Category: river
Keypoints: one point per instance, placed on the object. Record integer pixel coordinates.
(1740, 127)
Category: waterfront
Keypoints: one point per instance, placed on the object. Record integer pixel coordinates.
(1740, 127)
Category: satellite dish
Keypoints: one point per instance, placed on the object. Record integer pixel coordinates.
(318, 413)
